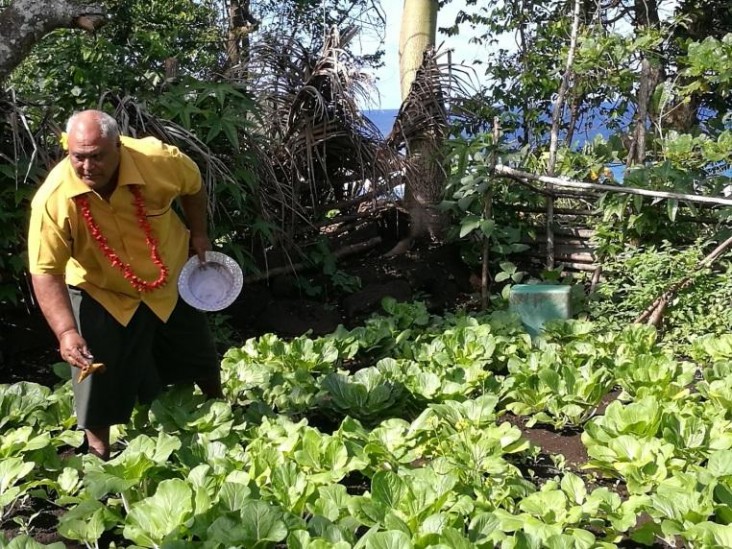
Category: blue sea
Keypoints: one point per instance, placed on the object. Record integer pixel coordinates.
(383, 119)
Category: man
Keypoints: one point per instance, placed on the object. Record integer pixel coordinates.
(105, 251)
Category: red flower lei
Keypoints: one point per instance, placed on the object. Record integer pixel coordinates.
(139, 284)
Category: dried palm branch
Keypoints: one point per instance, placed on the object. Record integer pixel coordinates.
(420, 129)
(438, 97)
(24, 145)
(423, 113)
(28, 137)
(328, 151)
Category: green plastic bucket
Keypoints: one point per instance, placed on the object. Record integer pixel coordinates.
(537, 303)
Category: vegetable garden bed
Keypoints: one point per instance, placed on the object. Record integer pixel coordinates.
(458, 431)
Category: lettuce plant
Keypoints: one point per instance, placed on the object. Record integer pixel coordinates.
(367, 395)
(549, 388)
(416, 454)
(655, 374)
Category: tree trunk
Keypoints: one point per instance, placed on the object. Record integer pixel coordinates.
(646, 16)
(524, 55)
(24, 22)
(557, 118)
(422, 100)
(241, 25)
(418, 33)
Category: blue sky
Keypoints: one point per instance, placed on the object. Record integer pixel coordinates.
(463, 52)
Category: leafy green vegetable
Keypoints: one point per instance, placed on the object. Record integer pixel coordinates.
(12, 470)
(256, 525)
(418, 451)
(366, 395)
(161, 516)
(87, 521)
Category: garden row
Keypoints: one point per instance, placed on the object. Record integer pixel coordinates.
(394, 435)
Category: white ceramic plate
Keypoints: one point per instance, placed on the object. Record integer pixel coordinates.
(212, 286)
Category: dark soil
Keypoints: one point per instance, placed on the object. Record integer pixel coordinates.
(551, 441)
(566, 442)
(27, 348)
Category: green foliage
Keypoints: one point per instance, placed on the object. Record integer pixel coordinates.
(471, 193)
(223, 115)
(13, 214)
(637, 277)
(712, 59)
(67, 65)
(433, 461)
(219, 112)
(319, 256)
(686, 141)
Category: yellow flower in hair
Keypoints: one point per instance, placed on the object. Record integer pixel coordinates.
(64, 141)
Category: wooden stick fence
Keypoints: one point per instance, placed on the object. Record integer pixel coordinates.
(563, 182)
(572, 248)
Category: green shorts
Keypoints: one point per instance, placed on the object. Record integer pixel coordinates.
(140, 358)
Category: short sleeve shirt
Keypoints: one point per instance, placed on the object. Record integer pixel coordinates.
(60, 242)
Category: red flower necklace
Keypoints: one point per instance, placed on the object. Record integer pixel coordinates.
(139, 284)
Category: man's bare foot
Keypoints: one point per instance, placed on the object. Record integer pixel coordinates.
(98, 439)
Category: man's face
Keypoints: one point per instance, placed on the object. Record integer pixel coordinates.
(94, 158)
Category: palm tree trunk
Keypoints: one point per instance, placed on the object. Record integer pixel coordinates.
(418, 33)
(416, 50)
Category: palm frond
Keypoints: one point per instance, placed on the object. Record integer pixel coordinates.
(328, 149)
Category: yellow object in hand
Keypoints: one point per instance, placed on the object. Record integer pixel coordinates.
(89, 370)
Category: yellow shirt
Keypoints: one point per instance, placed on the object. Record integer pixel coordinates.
(59, 241)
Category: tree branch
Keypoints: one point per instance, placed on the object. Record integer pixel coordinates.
(562, 182)
(25, 22)
(654, 312)
(296, 267)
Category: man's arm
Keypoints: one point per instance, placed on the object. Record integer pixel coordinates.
(195, 208)
(53, 298)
